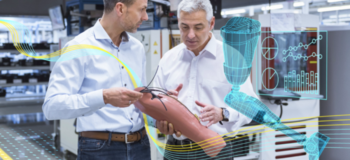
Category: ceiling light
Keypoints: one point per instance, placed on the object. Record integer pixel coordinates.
(298, 4)
(331, 1)
(272, 7)
(236, 11)
(326, 9)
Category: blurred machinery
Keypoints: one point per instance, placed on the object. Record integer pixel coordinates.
(82, 14)
(272, 71)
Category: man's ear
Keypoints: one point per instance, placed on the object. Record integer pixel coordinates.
(212, 23)
(119, 8)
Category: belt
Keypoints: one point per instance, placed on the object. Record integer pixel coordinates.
(127, 138)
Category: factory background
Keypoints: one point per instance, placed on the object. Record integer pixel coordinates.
(315, 79)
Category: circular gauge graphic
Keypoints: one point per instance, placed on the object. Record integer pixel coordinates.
(269, 48)
(270, 79)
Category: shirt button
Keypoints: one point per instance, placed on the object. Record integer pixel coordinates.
(131, 118)
(122, 67)
(125, 85)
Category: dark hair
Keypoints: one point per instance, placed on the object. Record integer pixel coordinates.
(110, 4)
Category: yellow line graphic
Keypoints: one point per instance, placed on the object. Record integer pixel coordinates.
(4, 156)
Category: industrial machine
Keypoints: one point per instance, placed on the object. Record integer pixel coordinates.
(82, 14)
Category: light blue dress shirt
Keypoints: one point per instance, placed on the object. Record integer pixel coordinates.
(75, 87)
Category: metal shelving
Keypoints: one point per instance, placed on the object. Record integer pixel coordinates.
(21, 101)
(16, 51)
(23, 84)
(80, 9)
(20, 109)
(21, 95)
(25, 67)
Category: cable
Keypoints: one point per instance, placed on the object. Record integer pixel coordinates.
(281, 106)
(278, 102)
(153, 77)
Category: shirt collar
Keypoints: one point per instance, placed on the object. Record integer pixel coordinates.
(210, 47)
(100, 33)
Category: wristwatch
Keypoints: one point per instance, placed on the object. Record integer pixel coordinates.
(225, 114)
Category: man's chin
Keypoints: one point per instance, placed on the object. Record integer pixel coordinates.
(134, 30)
(191, 47)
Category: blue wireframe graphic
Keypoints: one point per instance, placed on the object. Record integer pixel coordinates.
(299, 56)
(270, 73)
(240, 36)
(301, 45)
(267, 50)
(301, 83)
(300, 53)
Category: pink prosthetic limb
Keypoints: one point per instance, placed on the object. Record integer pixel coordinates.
(170, 109)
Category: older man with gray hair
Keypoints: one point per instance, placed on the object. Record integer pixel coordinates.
(195, 69)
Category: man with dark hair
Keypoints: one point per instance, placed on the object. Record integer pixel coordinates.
(98, 91)
(109, 4)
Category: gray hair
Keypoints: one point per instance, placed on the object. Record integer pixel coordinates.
(110, 4)
(196, 5)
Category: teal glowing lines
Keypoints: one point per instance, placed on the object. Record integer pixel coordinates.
(301, 83)
(299, 56)
(269, 52)
(270, 74)
(301, 66)
(301, 45)
(240, 36)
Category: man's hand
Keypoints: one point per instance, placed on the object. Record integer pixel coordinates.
(167, 128)
(120, 97)
(210, 113)
(175, 92)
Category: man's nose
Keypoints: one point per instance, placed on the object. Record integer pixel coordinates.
(191, 34)
(144, 17)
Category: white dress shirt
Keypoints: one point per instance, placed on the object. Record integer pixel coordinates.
(75, 87)
(203, 79)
